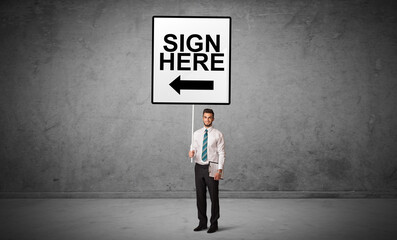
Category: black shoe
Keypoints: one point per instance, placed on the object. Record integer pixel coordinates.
(213, 229)
(199, 228)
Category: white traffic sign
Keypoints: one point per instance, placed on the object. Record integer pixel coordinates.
(191, 60)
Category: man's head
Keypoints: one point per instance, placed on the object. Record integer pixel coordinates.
(208, 117)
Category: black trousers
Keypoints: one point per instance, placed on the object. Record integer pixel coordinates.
(203, 180)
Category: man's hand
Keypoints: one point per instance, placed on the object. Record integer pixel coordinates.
(191, 153)
(218, 175)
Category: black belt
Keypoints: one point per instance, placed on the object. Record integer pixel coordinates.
(203, 166)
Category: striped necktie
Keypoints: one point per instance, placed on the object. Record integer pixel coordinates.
(204, 152)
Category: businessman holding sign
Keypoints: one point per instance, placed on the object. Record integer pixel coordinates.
(208, 151)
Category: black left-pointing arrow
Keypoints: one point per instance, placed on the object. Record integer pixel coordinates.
(179, 84)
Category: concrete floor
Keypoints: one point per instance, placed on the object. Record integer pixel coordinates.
(318, 219)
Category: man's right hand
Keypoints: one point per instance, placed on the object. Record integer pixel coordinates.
(191, 153)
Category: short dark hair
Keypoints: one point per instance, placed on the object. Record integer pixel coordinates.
(209, 110)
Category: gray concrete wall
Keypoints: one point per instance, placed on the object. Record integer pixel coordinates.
(313, 97)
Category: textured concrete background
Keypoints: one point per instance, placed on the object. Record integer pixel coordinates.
(313, 97)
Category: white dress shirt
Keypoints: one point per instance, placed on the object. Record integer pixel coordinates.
(215, 147)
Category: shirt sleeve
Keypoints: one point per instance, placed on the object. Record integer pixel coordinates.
(195, 144)
(221, 151)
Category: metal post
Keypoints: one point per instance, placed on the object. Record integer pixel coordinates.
(191, 145)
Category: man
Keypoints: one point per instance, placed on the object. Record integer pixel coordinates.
(208, 147)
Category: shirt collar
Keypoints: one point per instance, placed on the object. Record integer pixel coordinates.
(209, 129)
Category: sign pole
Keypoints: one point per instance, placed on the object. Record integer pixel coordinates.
(191, 146)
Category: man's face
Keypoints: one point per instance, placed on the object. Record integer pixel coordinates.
(208, 118)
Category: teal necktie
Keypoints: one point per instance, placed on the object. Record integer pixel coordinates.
(204, 154)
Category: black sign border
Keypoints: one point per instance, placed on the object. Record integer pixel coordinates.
(230, 62)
